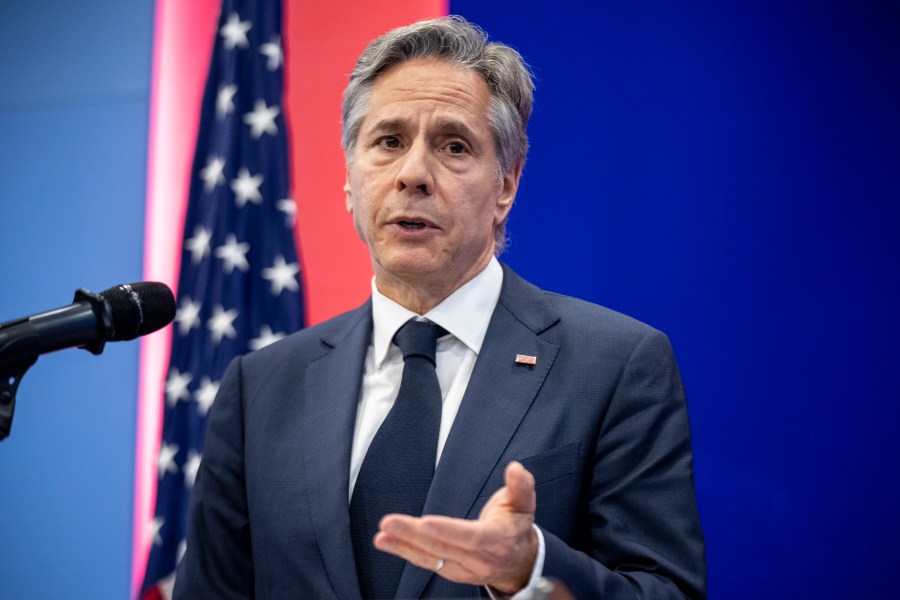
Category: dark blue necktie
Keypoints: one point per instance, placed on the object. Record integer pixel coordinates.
(399, 465)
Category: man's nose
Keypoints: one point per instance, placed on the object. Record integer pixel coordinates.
(416, 170)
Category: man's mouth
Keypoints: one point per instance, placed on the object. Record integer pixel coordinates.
(411, 224)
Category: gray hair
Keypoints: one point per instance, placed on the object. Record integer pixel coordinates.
(456, 40)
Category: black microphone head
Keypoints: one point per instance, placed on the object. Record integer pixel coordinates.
(139, 308)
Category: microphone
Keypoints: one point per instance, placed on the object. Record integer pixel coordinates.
(122, 312)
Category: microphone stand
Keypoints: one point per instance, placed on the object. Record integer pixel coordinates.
(18, 355)
(20, 346)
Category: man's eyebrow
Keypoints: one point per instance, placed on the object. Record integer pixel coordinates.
(388, 125)
(455, 128)
(444, 127)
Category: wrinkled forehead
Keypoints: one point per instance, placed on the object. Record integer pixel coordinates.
(453, 97)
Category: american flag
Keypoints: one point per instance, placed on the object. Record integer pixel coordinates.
(239, 285)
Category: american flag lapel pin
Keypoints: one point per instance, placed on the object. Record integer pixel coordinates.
(525, 359)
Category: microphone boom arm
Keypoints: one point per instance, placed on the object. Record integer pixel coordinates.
(20, 346)
(18, 355)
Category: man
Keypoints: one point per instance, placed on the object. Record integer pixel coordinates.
(550, 435)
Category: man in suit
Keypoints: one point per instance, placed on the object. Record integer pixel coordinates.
(551, 434)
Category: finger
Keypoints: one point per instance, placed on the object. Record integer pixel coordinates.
(520, 492)
(450, 568)
(446, 537)
(483, 551)
(482, 547)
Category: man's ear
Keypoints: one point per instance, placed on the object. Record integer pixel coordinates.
(348, 191)
(510, 186)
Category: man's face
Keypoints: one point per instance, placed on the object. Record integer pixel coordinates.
(422, 181)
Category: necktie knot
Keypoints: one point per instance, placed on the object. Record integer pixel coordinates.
(418, 338)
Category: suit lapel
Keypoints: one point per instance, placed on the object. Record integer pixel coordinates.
(330, 397)
(499, 394)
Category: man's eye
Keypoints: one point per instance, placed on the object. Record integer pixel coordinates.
(456, 148)
(390, 141)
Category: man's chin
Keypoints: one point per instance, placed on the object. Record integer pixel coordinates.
(414, 269)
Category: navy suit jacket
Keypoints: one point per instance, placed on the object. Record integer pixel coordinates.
(600, 420)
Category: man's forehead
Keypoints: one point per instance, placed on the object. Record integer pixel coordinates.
(454, 98)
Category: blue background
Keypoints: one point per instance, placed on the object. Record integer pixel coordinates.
(74, 106)
(728, 172)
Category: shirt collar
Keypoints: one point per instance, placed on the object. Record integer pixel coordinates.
(465, 313)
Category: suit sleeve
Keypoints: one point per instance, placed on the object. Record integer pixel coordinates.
(645, 536)
(218, 562)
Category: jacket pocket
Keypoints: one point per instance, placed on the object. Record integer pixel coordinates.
(547, 467)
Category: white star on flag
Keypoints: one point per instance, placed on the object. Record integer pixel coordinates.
(198, 245)
(212, 174)
(221, 323)
(191, 465)
(282, 276)
(166, 461)
(265, 338)
(206, 395)
(155, 527)
(233, 254)
(225, 100)
(262, 119)
(272, 51)
(289, 208)
(234, 32)
(177, 386)
(246, 188)
(187, 316)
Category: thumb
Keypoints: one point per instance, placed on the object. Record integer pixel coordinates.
(520, 488)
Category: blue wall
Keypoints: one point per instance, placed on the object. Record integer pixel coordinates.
(730, 173)
(727, 172)
(74, 105)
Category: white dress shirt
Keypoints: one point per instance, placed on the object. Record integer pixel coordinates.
(465, 314)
